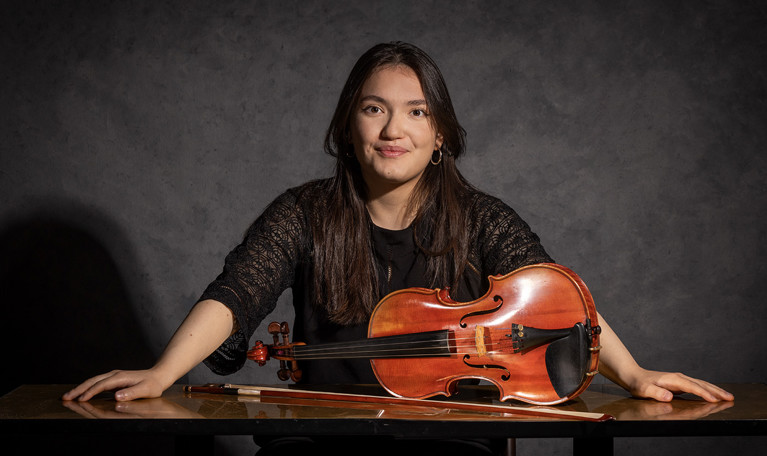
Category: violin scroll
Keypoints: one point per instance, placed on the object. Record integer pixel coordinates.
(279, 350)
(259, 353)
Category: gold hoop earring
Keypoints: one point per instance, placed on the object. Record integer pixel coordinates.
(439, 160)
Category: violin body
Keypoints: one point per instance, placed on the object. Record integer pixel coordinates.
(544, 297)
(534, 335)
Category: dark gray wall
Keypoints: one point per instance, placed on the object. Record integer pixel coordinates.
(139, 140)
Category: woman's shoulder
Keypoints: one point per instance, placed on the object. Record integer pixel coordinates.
(310, 192)
(307, 196)
(489, 216)
(296, 205)
(482, 205)
(292, 213)
(504, 238)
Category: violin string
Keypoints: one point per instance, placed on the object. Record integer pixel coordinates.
(468, 350)
(340, 355)
(377, 355)
(387, 340)
(416, 351)
(396, 349)
(363, 356)
(373, 354)
(375, 341)
(381, 342)
(383, 345)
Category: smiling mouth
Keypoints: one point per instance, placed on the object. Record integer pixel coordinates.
(391, 151)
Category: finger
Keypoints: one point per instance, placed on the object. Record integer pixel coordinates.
(114, 382)
(711, 392)
(657, 392)
(133, 392)
(84, 386)
(146, 388)
(79, 389)
(707, 391)
(718, 392)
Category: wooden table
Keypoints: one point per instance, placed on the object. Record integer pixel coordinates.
(193, 419)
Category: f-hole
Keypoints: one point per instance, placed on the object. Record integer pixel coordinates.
(504, 377)
(496, 298)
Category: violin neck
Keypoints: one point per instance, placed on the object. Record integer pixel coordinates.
(431, 343)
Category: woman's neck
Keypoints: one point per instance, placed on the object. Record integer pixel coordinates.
(389, 209)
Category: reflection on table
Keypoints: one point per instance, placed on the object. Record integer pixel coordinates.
(750, 403)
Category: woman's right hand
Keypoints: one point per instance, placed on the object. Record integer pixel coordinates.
(128, 385)
(208, 325)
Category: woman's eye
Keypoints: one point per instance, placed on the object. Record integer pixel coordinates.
(373, 109)
(419, 113)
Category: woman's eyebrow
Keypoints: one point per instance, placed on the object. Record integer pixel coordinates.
(378, 99)
(375, 98)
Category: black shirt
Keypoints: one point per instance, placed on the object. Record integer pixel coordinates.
(276, 254)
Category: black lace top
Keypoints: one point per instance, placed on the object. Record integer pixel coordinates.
(276, 254)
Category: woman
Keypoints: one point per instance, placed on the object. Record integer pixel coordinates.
(397, 213)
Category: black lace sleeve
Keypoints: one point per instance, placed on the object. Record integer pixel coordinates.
(506, 242)
(255, 273)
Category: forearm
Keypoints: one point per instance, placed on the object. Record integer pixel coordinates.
(617, 364)
(615, 361)
(207, 326)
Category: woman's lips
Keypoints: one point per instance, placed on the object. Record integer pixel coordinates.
(391, 151)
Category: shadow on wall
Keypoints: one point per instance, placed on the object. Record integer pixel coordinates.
(68, 315)
(66, 306)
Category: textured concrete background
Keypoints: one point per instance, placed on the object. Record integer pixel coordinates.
(140, 139)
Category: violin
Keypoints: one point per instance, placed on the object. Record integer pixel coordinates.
(534, 335)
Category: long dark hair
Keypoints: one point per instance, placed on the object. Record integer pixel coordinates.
(345, 278)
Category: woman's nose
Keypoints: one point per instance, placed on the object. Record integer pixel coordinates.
(393, 128)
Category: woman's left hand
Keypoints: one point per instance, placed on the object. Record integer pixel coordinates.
(662, 386)
(617, 364)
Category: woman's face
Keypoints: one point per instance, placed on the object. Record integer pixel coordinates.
(392, 133)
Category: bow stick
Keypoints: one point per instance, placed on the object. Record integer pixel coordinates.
(265, 391)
